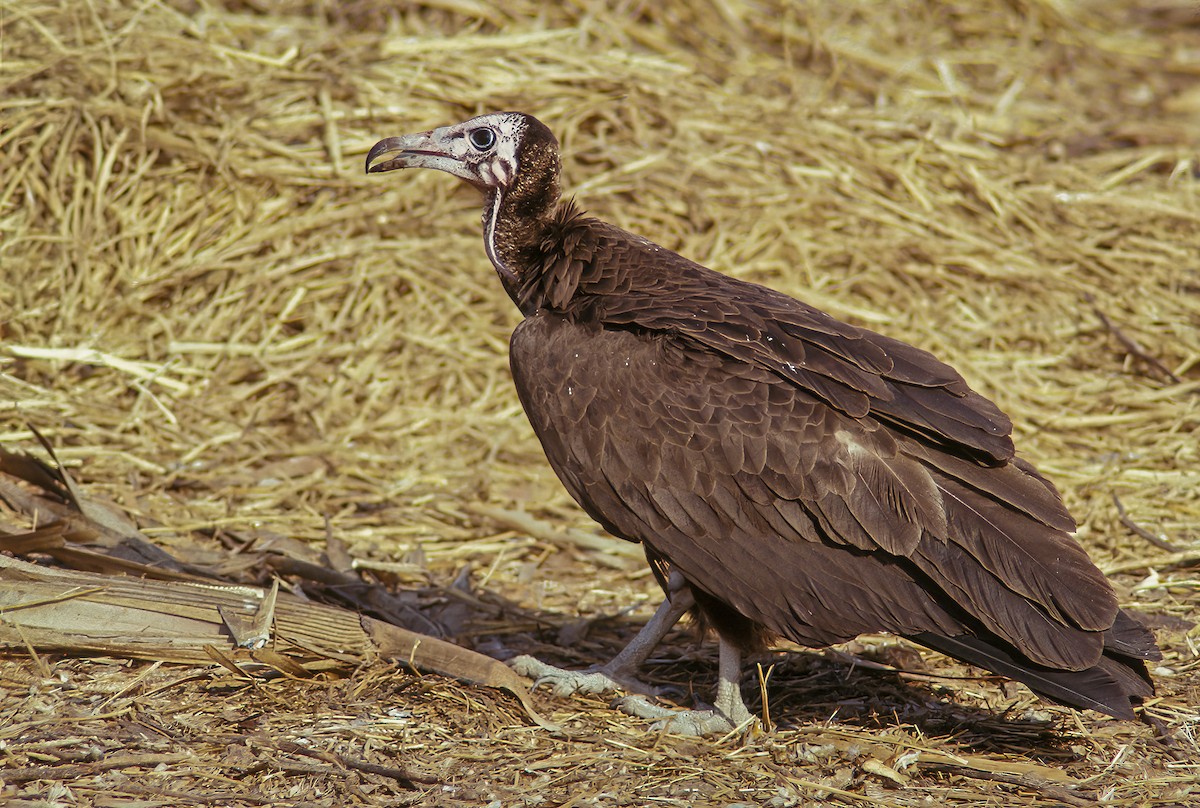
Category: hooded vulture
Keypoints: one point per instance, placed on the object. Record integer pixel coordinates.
(789, 475)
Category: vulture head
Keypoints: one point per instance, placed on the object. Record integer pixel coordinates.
(506, 153)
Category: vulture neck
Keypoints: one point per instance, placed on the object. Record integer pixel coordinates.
(519, 223)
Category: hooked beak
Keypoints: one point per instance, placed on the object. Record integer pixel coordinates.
(406, 151)
(423, 150)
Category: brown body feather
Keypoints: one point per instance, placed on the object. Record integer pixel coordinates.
(804, 475)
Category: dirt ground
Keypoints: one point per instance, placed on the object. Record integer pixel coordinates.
(225, 330)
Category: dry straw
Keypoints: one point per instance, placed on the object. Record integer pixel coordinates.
(227, 330)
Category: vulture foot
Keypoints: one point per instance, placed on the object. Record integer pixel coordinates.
(620, 674)
(728, 714)
(687, 722)
(562, 682)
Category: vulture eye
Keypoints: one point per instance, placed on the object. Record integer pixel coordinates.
(482, 139)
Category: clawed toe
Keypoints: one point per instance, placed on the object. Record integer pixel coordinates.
(680, 722)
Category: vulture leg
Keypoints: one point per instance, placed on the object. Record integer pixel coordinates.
(729, 712)
(620, 674)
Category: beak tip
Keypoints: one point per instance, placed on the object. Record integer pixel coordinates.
(374, 165)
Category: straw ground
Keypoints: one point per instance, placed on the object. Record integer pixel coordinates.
(226, 329)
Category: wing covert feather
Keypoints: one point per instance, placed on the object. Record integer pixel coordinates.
(856, 371)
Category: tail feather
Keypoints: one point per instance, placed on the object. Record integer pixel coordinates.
(1112, 686)
(1130, 638)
